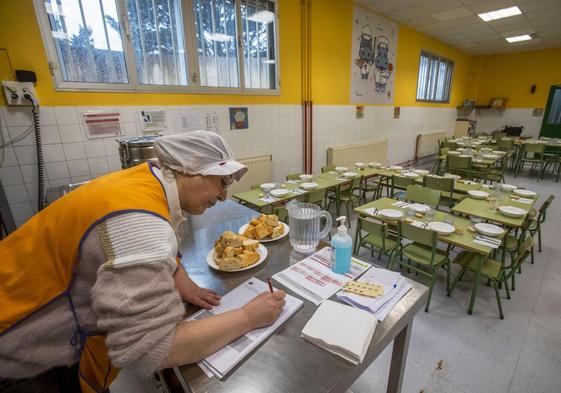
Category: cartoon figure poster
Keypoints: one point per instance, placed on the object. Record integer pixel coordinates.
(374, 54)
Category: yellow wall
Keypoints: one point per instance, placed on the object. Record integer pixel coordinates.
(331, 59)
(25, 46)
(512, 75)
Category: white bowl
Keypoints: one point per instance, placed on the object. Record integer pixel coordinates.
(341, 169)
(508, 187)
(266, 187)
(524, 193)
(391, 213)
(306, 178)
(441, 228)
(350, 175)
(452, 176)
(512, 211)
(454, 153)
(499, 152)
(475, 194)
(410, 174)
(279, 192)
(422, 172)
(419, 207)
(309, 186)
(396, 167)
(360, 164)
(374, 164)
(489, 229)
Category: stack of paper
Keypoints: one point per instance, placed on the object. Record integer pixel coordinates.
(342, 330)
(222, 361)
(395, 287)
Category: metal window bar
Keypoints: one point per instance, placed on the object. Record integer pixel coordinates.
(142, 43)
(159, 44)
(202, 45)
(175, 47)
(93, 70)
(110, 65)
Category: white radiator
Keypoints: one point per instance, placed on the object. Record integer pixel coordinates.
(347, 155)
(259, 171)
(427, 143)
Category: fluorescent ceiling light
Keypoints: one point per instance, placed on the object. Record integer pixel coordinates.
(518, 38)
(263, 16)
(218, 37)
(499, 14)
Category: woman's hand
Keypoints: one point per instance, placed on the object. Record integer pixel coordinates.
(264, 309)
(202, 297)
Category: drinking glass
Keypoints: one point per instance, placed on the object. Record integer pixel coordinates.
(429, 215)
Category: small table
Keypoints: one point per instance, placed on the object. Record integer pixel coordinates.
(480, 208)
(285, 362)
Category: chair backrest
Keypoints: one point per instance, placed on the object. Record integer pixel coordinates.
(293, 176)
(255, 186)
(352, 186)
(422, 236)
(498, 135)
(401, 181)
(505, 144)
(451, 145)
(443, 151)
(423, 195)
(327, 168)
(534, 147)
(457, 162)
(543, 208)
(439, 183)
(316, 196)
(371, 226)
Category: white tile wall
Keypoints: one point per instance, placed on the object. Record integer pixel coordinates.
(488, 121)
(273, 129)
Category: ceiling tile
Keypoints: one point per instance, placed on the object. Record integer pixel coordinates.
(433, 6)
(388, 5)
(507, 21)
(454, 13)
(537, 5)
(420, 21)
(550, 12)
(404, 13)
(490, 5)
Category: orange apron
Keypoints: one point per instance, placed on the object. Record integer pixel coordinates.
(38, 261)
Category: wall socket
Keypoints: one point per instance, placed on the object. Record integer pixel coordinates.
(14, 92)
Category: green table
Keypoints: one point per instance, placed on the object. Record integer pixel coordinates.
(464, 239)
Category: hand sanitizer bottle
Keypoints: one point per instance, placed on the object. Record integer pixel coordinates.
(342, 248)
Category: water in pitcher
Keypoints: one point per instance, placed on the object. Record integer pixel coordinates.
(304, 229)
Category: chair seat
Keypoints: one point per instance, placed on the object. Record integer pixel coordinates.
(422, 254)
(376, 241)
(490, 268)
(371, 187)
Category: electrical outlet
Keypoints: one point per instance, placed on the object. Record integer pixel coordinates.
(15, 91)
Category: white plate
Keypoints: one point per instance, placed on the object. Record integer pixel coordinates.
(309, 186)
(489, 229)
(306, 178)
(512, 211)
(410, 174)
(359, 164)
(261, 250)
(421, 172)
(350, 174)
(391, 213)
(374, 164)
(286, 229)
(419, 207)
(524, 193)
(451, 176)
(441, 227)
(508, 187)
(490, 156)
(396, 167)
(454, 153)
(279, 192)
(267, 186)
(478, 194)
(341, 169)
(499, 152)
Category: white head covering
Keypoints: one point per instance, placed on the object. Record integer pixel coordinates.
(198, 153)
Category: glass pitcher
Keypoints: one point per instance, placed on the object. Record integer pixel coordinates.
(304, 220)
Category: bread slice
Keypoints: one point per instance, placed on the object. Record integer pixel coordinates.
(233, 263)
(250, 245)
(277, 231)
(260, 231)
(248, 259)
(272, 220)
(249, 232)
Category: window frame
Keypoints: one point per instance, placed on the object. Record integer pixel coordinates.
(431, 55)
(192, 58)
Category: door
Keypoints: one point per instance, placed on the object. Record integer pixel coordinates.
(551, 125)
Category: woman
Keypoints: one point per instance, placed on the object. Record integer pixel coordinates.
(93, 282)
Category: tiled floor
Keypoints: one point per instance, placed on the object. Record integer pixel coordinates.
(478, 353)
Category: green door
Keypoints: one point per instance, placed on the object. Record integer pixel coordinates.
(551, 125)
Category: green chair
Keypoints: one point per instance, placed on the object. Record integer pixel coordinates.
(327, 168)
(422, 256)
(498, 135)
(440, 160)
(347, 196)
(293, 176)
(513, 245)
(497, 173)
(373, 186)
(377, 237)
(492, 270)
(460, 166)
(532, 153)
(507, 145)
(317, 197)
(444, 184)
(423, 195)
(400, 183)
(536, 222)
(450, 145)
(552, 157)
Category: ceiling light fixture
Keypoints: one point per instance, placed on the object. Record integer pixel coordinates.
(499, 14)
(518, 38)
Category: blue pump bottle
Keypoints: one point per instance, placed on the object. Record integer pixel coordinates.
(341, 249)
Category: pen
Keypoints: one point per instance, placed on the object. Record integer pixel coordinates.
(270, 285)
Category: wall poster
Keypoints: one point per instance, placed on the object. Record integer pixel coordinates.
(374, 54)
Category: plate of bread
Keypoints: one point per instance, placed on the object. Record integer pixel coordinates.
(234, 253)
(265, 228)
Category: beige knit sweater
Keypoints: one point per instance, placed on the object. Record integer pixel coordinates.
(123, 286)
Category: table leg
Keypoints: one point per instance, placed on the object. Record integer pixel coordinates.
(399, 358)
(476, 283)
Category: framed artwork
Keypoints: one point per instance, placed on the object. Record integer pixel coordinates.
(239, 119)
(497, 102)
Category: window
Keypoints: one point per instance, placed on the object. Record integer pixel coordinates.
(435, 78)
(227, 46)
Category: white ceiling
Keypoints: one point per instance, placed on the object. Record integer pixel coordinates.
(456, 23)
